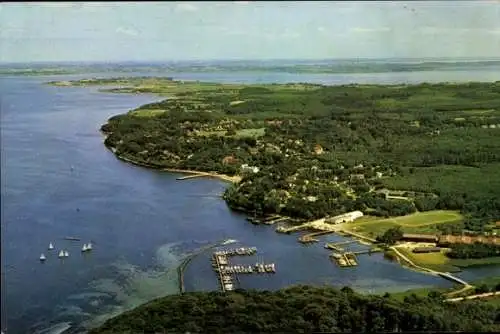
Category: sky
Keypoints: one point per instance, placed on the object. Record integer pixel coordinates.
(163, 31)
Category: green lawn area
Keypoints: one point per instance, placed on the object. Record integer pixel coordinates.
(435, 261)
(440, 262)
(147, 112)
(420, 222)
(259, 132)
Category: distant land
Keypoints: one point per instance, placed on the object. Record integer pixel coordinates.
(331, 66)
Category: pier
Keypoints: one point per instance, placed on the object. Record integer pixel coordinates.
(368, 251)
(309, 238)
(227, 273)
(282, 229)
(275, 220)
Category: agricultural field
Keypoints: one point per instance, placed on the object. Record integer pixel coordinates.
(420, 222)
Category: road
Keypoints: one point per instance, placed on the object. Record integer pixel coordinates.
(481, 295)
(433, 272)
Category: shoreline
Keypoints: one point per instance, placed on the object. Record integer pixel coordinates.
(404, 263)
(223, 177)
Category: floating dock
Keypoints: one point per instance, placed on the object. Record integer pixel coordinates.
(345, 259)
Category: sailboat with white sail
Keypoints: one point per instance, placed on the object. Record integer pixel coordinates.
(51, 246)
(42, 257)
(61, 254)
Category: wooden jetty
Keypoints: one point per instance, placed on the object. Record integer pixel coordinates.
(368, 251)
(309, 238)
(275, 220)
(281, 229)
(334, 247)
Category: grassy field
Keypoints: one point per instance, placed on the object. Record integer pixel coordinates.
(491, 282)
(420, 222)
(147, 112)
(435, 261)
(440, 262)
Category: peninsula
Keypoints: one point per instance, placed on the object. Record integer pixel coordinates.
(412, 158)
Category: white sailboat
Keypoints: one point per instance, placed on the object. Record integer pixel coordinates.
(89, 246)
(66, 254)
(61, 254)
(51, 247)
(42, 257)
(84, 248)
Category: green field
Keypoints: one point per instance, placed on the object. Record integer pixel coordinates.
(434, 261)
(420, 222)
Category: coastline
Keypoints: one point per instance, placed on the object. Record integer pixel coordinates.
(403, 262)
(223, 177)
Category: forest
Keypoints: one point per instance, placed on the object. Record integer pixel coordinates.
(303, 309)
(473, 251)
(325, 150)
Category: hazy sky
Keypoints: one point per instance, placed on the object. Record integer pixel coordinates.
(247, 30)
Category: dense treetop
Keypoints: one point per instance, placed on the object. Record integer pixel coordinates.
(302, 309)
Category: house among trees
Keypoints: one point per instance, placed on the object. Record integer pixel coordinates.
(426, 250)
(245, 168)
(229, 160)
(345, 218)
(446, 240)
(419, 237)
(318, 149)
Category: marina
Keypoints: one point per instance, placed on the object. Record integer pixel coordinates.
(227, 272)
(345, 259)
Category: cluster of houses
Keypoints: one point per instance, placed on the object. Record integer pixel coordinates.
(445, 241)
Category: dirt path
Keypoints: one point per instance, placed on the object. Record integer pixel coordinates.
(477, 296)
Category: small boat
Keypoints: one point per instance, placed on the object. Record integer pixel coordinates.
(84, 248)
(51, 247)
(42, 257)
(72, 238)
(66, 254)
(61, 254)
(89, 246)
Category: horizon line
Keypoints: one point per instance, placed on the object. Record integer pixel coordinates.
(486, 58)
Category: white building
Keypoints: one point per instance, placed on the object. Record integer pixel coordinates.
(345, 218)
(245, 168)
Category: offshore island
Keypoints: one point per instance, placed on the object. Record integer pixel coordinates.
(420, 163)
